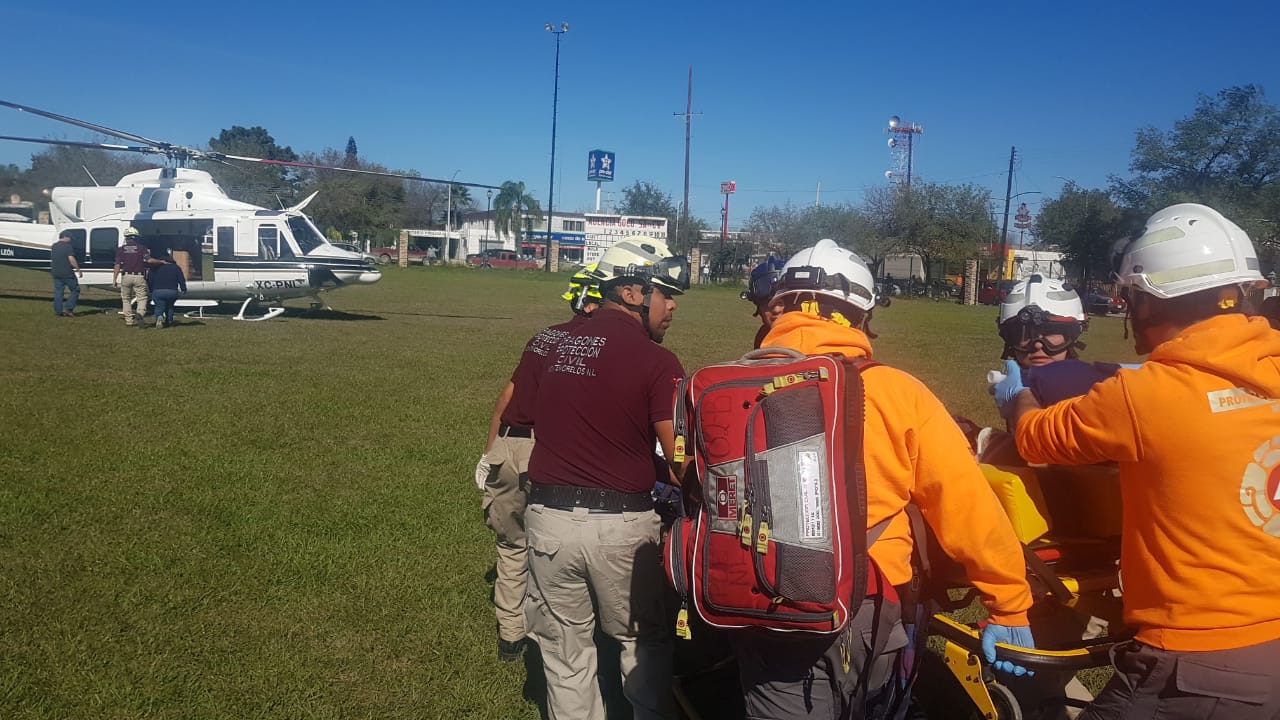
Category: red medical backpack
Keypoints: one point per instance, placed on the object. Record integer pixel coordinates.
(780, 538)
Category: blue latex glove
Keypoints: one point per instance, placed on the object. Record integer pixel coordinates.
(1017, 635)
(1008, 388)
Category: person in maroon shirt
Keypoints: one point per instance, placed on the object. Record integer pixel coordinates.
(129, 274)
(502, 470)
(604, 398)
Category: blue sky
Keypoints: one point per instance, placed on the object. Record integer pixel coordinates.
(792, 94)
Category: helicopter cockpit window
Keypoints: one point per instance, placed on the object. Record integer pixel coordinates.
(308, 237)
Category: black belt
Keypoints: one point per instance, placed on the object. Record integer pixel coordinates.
(571, 496)
(506, 430)
(132, 273)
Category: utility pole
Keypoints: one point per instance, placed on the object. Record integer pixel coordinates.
(1004, 228)
(683, 217)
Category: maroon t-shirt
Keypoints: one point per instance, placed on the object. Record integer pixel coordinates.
(528, 371)
(602, 391)
(132, 258)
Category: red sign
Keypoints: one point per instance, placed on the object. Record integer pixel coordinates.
(728, 188)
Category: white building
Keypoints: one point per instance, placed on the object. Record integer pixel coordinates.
(583, 237)
(1048, 263)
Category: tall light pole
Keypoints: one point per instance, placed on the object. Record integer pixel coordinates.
(488, 203)
(448, 217)
(1004, 228)
(555, 101)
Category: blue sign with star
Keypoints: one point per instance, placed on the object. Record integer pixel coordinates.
(600, 164)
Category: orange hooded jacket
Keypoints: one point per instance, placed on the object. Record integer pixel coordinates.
(914, 451)
(1196, 431)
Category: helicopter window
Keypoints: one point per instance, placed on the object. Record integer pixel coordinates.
(102, 245)
(78, 242)
(305, 233)
(226, 242)
(268, 242)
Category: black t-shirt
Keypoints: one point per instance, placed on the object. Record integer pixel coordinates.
(599, 397)
(528, 371)
(60, 259)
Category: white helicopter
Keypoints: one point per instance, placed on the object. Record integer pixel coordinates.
(228, 250)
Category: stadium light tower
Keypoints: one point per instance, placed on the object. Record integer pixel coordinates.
(900, 151)
(555, 100)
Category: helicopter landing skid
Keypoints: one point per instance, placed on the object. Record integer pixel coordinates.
(270, 313)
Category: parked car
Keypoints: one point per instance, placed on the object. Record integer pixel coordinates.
(355, 249)
(992, 292)
(501, 259)
(388, 255)
(1100, 304)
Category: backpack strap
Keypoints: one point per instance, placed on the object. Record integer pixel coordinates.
(855, 470)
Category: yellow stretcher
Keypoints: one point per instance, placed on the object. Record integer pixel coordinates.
(1068, 520)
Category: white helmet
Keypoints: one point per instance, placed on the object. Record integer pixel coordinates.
(131, 232)
(1036, 308)
(829, 270)
(646, 260)
(1186, 248)
(1054, 297)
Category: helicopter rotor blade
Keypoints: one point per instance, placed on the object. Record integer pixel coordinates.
(183, 154)
(88, 125)
(91, 145)
(378, 173)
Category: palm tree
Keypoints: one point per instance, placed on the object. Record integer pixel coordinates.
(510, 206)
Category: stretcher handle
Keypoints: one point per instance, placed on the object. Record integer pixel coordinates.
(1088, 654)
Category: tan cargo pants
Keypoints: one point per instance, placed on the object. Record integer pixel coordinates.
(132, 286)
(505, 495)
(573, 556)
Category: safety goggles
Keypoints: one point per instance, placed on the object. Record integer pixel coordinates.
(673, 272)
(1032, 325)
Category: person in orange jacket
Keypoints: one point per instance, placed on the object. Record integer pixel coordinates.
(913, 452)
(1196, 432)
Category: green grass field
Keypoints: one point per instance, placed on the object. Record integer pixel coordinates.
(277, 519)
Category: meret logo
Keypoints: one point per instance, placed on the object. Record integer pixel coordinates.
(1260, 488)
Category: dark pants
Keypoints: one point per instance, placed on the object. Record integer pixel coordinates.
(67, 283)
(794, 675)
(164, 300)
(1240, 684)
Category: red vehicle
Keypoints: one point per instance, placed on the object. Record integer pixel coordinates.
(501, 259)
(1102, 304)
(388, 255)
(992, 292)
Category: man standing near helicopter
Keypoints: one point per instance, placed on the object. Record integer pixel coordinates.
(130, 275)
(64, 269)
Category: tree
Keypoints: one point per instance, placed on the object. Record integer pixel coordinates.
(644, 198)
(880, 210)
(61, 165)
(1226, 154)
(647, 200)
(775, 227)
(352, 152)
(373, 206)
(461, 200)
(1084, 225)
(940, 223)
(269, 186)
(510, 206)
